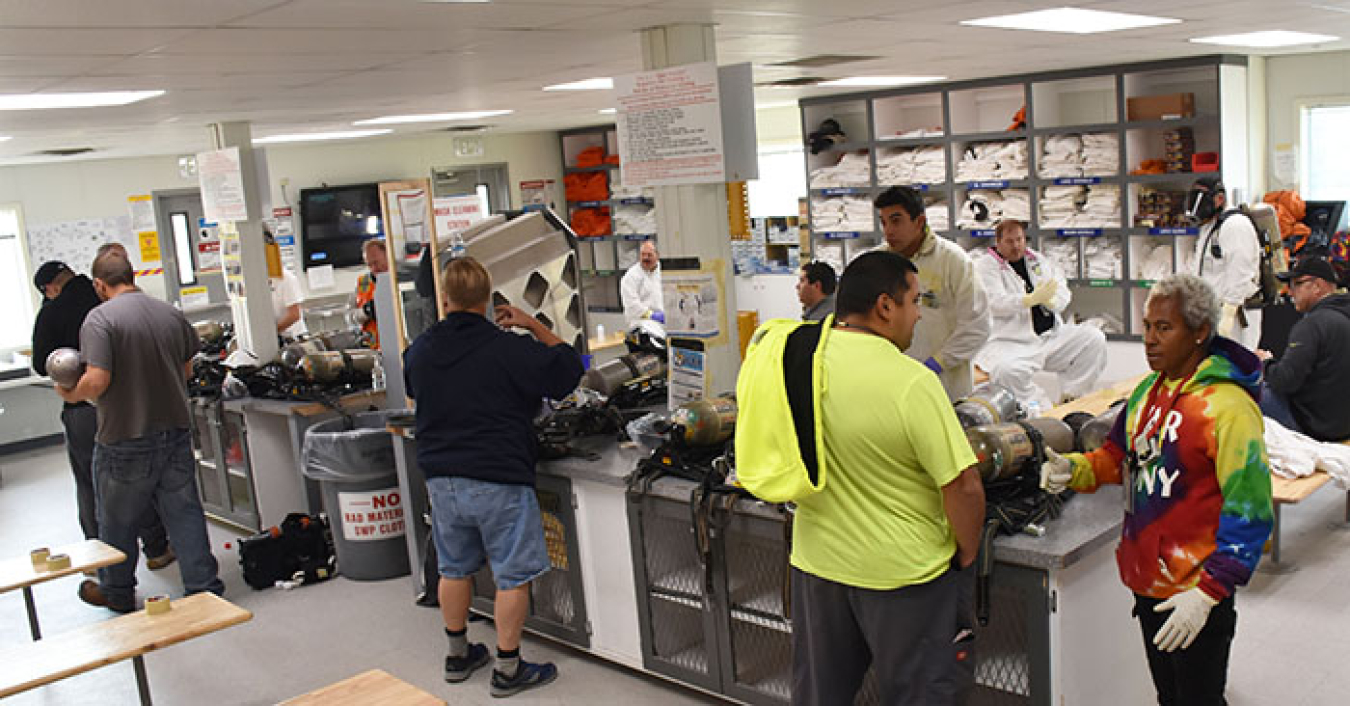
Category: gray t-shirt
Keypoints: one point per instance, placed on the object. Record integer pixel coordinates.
(143, 342)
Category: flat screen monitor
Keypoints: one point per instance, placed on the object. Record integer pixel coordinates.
(1324, 218)
(335, 220)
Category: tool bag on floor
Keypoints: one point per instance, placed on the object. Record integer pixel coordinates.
(300, 549)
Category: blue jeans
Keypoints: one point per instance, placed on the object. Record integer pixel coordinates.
(476, 522)
(1275, 406)
(157, 471)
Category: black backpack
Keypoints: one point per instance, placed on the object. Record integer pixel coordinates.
(300, 549)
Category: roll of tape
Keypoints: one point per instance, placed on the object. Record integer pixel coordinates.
(157, 605)
(39, 556)
(56, 562)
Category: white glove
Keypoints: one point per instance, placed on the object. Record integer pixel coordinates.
(1190, 610)
(1228, 321)
(1056, 472)
(1042, 294)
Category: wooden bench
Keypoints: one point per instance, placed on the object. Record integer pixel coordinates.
(1283, 491)
(374, 688)
(19, 573)
(125, 637)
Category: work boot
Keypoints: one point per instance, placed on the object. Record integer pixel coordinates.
(528, 676)
(92, 593)
(155, 563)
(458, 669)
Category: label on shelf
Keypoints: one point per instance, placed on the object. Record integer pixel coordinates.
(533, 207)
(1078, 232)
(1077, 181)
(1101, 283)
(636, 201)
(981, 233)
(638, 236)
(1144, 283)
(995, 184)
(1174, 231)
(843, 190)
(841, 235)
(590, 204)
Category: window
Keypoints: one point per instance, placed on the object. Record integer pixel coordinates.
(16, 285)
(782, 180)
(1325, 142)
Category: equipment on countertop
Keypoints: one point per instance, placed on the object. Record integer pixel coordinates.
(338, 366)
(65, 367)
(1093, 434)
(609, 377)
(705, 422)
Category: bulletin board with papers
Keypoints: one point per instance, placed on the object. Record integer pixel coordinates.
(76, 242)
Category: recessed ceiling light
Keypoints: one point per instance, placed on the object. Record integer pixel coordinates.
(1268, 39)
(881, 80)
(318, 136)
(432, 117)
(4, 138)
(1071, 20)
(590, 84)
(45, 101)
(608, 111)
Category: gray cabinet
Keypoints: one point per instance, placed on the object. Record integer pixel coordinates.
(224, 467)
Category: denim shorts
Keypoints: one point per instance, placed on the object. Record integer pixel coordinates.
(474, 521)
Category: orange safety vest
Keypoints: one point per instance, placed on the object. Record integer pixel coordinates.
(365, 292)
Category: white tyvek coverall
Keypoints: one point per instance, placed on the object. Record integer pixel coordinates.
(1237, 274)
(1015, 353)
(955, 313)
(640, 292)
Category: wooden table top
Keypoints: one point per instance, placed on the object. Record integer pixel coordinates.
(30, 665)
(1095, 403)
(89, 554)
(374, 688)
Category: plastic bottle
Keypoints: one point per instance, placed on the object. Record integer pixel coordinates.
(457, 247)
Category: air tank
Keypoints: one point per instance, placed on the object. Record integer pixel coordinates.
(1093, 434)
(987, 404)
(609, 377)
(65, 367)
(327, 366)
(211, 332)
(292, 354)
(1004, 450)
(707, 421)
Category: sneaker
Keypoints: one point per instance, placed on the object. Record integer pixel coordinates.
(92, 593)
(458, 669)
(528, 676)
(155, 563)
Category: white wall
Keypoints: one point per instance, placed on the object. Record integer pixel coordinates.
(1293, 81)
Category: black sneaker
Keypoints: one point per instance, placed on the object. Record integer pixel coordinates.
(92, 593)
(458, 669)
(528, 676)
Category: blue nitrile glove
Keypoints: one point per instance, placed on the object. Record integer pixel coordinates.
(933, 365)
(659, 317)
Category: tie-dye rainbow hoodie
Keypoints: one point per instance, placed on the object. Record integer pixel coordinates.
(1202, 508)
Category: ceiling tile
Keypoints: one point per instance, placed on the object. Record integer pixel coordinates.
(85, 42)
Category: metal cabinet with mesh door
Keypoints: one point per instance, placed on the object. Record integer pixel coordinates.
(224, 468)
(557, 601)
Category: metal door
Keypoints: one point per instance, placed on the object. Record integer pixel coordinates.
(178, 217)
(490, 181)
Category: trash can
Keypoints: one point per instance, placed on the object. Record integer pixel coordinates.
(353, 460)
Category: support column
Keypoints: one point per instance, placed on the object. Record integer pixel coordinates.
(693, 218)
(255, 324)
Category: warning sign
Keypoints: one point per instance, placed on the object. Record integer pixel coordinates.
(371, 514)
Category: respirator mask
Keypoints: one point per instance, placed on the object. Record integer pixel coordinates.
(1200, 203)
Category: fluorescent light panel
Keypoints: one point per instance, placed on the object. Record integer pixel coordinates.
(432, 117)
(1268, 39)
(48, 101)
(319, 136)
(608, 111)
(875, 81)
(1070, 20)
(5, 138)
(590, 84)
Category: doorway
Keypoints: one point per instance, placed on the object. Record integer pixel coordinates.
(490, 182)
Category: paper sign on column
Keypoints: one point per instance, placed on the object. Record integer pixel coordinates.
(320, 277)
(686, 375)
(142, 209)
(222, 184)
(692, 304)
(670, 126)
(283, 229)
(208, 246)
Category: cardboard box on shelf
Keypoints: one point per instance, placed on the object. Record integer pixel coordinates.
(1163, 107)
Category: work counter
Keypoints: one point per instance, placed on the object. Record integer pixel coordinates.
(644, 579)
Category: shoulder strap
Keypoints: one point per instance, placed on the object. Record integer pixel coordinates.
(798, 357)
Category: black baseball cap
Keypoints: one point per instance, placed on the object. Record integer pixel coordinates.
(48, 272)
(1311, 267)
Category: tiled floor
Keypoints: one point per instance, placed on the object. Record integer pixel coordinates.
(297, 641)
(1293, 629)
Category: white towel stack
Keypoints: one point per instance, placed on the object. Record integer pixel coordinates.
(1095, 154)
(1102, 257)
(630, 220)
(844, 213)
(1152, 261)
(853, 169)
(619, 191)
(937, 216)
(985, 161)
(918, 165)
(921, 132)
(1064, 253)
(1097, 206)
(984, 208)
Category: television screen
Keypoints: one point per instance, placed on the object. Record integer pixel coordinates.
(335, 220)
